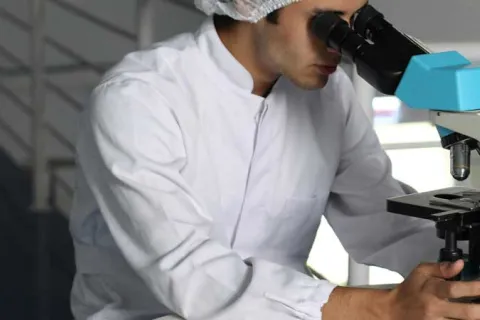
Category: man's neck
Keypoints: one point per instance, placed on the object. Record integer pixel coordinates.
(239, 40)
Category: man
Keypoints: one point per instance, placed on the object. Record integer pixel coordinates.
(206, 163)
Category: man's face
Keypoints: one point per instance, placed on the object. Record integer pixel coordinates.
(289, 48)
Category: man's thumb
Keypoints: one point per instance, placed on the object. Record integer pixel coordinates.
(444, 270)
(450, 269)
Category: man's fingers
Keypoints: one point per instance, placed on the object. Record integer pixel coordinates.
(444, 270)
(456, 310)
(455, 289)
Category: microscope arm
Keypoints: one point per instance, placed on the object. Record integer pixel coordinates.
(465, 123)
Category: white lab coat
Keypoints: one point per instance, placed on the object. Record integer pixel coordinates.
(197, 198)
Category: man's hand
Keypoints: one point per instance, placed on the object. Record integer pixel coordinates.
(424, 295)
(427, 295)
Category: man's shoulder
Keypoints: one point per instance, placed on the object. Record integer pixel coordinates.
(153, 74)
(161, 60)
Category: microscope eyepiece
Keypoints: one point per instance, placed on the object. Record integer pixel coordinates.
(330, 28)
(380, 52)
(380, 71)
(367, 18)
(336, 33)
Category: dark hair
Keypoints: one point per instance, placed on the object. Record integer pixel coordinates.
(272, 17)
(225, 22)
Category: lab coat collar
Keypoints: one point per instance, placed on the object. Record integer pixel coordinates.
(229, 70)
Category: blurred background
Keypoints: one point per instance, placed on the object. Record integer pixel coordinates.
(53, 52)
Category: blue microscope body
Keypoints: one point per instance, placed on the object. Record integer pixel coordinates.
(444, 81)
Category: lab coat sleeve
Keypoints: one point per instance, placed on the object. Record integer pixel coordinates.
(357, 205)
(132, 154)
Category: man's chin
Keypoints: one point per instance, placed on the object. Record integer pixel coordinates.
(316, 83)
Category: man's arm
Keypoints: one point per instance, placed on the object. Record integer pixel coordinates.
(373, 236)
(357, 206)
(131, 151)
(357, 304)
(424, 295)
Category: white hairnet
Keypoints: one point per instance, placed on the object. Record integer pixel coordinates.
(245, 10)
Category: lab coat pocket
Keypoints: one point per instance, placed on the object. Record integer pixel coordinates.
(296, 224)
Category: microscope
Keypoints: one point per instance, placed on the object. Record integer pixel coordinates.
(445, 83)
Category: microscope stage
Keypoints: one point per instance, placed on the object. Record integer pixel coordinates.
(439, 205)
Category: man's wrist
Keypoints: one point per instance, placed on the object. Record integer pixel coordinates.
(358, 304)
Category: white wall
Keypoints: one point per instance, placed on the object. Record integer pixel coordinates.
(93, 42)
(88, 40)
(434, 20)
